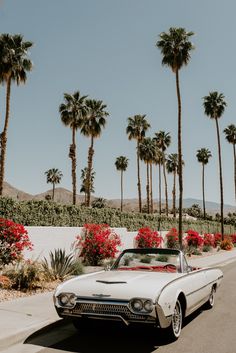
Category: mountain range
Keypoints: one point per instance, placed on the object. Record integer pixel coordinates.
(64, 196)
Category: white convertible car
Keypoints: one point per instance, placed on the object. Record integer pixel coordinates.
(149, 286)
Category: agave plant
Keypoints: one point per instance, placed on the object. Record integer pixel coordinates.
(61, 265)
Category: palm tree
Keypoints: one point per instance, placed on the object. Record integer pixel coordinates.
(92, 127)
(14, 67)
(163, 140)
(158, 160)
(73, 112)
(53, 177)
(121, 164)
(172, 167)
(175, 48)
(147, 153)
(136, 129)
(203, 156)
(230, 135)
(214, 106)
(83, 178)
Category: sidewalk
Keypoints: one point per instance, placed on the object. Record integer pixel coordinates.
(21, 317)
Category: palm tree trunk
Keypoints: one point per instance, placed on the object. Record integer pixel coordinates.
(73, 165)
(121, 191)
(90, 166)
(203, 190)
(180, 161)
(234, 170)
(53, 191)
(174, 195)
(4, 135)
(147, 188)
(165, 180)
(221, 182)
(139, 180)
(151, 194)
(159, 188)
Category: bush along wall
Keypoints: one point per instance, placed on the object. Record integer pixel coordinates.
(48, 213)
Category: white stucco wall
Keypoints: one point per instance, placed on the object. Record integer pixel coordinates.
(46, 239)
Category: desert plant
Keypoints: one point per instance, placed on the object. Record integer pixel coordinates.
(5, 282)
(24, 275)
(226, 244)
(146, 259)
(61, 265)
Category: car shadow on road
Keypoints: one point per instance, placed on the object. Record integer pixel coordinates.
(105, 337)
(102, 337)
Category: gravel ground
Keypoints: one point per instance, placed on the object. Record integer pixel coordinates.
(10, 294)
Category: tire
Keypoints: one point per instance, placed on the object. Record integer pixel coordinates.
(80, 324)
(211, 300)
(174, 330)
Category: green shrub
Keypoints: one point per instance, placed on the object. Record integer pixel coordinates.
(146, 259)
(48, 213)
(206, 248)
(162, 258)
(61, 265)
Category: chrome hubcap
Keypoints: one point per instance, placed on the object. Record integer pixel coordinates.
(177, 319)
(211, 299)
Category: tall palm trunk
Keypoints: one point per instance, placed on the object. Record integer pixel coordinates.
(203, 191)
(159, 188)
(221, 182)
(121, 190)
(4, 135)
(165, 180)
(174, 195)
(53, 191)
(151, 193)
(180, 161)
(139, 179)
(72, 155)
(234, 170)
(148, 190)
(89, 172)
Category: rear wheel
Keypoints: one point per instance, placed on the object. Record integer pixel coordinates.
(174, 329)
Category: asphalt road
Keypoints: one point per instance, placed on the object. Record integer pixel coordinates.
(207, 331)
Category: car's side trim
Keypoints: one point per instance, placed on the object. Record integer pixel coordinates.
(197, 290)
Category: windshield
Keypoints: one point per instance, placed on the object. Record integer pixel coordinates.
(159, 260)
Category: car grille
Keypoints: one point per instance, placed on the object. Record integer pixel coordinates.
(106, 309)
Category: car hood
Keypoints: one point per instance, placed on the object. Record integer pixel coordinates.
(122, 285)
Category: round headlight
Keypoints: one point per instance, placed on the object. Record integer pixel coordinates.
(137, 305)
(72, 299)
(148, 305)
(67, 299)
(63, 299)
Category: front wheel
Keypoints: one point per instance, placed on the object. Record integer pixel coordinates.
(175, 327)
(211, 300)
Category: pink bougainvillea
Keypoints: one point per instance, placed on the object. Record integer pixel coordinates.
(97, 242)
(148, 238)
(13, 240)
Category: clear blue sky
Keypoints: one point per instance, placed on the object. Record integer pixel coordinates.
(106, 49)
